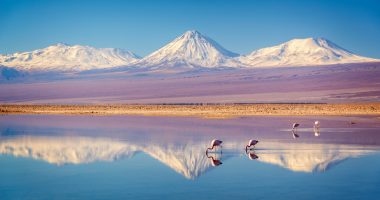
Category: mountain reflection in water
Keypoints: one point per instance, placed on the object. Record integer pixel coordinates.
(186, 158)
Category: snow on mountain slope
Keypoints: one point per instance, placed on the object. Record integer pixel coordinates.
(62, 57)
(302, 52)
(192, 49)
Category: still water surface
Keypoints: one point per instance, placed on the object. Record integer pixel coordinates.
(135, 157)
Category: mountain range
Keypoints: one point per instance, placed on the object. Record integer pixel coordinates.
(63, 57)
(188, 51)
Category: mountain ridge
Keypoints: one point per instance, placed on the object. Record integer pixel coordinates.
(302, 52)
(191, 50)
(64, 57)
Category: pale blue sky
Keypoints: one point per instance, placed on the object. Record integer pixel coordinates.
(143, 26)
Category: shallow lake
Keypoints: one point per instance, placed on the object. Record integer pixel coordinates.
(137, 157)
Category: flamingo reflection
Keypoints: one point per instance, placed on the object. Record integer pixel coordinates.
(252, 156)
(295, 135)
(214, 162)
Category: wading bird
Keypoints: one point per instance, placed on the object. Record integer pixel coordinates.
(295, 125)
(294, 130)
(316, 124)
(250, 144)
(316, 129)
(214, 144)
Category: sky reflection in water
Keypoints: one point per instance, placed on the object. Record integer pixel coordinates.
(163, 157)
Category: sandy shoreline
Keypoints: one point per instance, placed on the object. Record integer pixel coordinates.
(206, 111)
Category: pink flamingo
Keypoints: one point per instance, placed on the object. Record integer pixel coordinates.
(214, 144)
(251, 143)
(295, 125)
(294, 130)
(317, 124)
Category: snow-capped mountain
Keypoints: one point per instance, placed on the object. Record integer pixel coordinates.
(192, 49)
(302, 52)
(186, 52)
(62, 57)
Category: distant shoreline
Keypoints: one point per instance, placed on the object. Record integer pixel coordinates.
(204, 111)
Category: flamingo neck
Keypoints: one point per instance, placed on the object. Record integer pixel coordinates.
(209, 149)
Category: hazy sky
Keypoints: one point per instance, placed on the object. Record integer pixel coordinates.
(143, 26)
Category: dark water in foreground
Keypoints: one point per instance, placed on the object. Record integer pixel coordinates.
(119, 157)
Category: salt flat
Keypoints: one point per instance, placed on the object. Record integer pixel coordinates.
(316, 84)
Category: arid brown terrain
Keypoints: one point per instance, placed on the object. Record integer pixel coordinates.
(207, 111)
